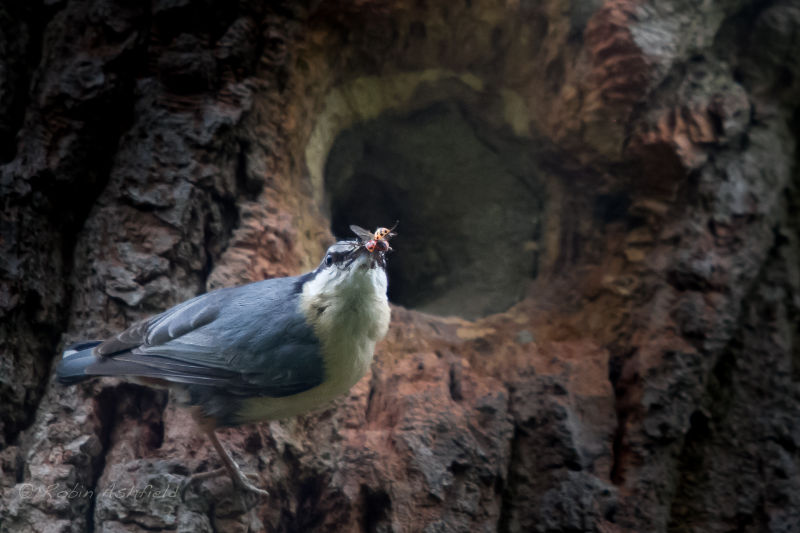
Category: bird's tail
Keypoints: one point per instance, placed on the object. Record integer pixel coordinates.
(72, 367)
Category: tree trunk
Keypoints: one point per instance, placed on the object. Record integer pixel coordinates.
(596, 281)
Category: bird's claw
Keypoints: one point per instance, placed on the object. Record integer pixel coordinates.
(244, 484)
(238, 479)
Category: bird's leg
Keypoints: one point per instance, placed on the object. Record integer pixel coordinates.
(237, 476)
(199, 476)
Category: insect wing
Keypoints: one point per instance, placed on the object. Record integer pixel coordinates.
(362, 234)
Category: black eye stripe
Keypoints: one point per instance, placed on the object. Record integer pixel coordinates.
(343, 257)
(334, 258)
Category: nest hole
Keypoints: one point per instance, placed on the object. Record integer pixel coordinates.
(468, 198)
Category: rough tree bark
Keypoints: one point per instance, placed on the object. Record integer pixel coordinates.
(606, 193)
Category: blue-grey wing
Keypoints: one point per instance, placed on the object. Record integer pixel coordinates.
(251, 340)
(169, 325)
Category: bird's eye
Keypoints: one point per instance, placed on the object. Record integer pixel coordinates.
(328, 260)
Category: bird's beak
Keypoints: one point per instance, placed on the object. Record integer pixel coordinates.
(377, 257)
(378, 260)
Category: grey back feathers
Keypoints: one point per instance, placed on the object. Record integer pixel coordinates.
(248, 340)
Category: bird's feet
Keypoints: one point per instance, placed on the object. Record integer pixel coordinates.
(240, 481)
(199, 476)
(238, 478)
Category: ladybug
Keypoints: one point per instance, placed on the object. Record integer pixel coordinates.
(385, 233)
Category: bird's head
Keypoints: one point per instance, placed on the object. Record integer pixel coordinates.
(352, 266)
(353, 255)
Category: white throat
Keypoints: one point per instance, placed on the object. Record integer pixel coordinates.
(349, 312)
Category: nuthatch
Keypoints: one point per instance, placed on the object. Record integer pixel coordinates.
(267, 350)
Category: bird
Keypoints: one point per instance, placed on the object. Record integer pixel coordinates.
(266, 350)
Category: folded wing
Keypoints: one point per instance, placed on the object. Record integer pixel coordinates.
(247, 341)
